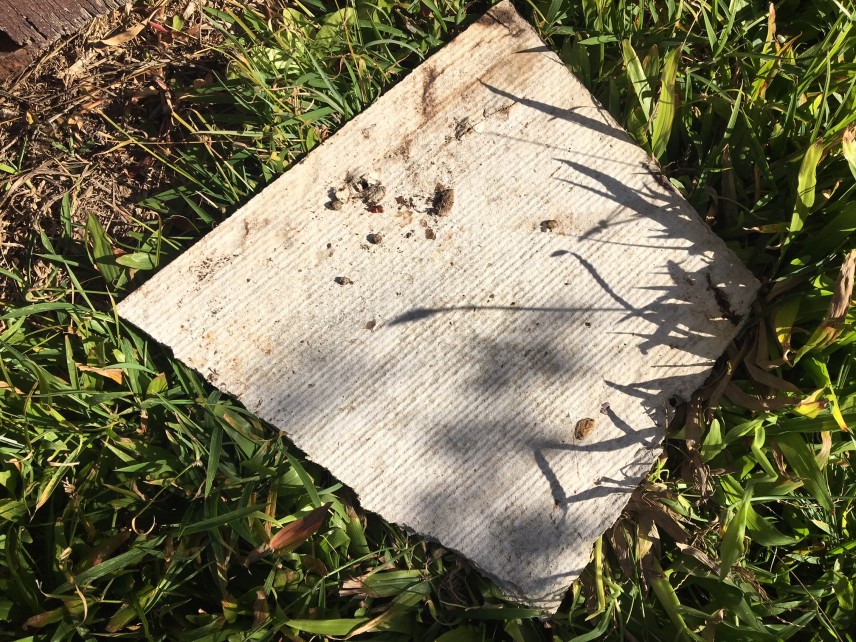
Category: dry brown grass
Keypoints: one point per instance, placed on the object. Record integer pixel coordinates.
(57, 138)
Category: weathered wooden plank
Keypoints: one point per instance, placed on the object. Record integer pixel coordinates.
(26, 28)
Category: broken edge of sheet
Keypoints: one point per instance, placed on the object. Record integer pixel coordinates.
(444, 382)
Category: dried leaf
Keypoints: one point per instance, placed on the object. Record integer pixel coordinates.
(734, 359)
(618, 540)
(696, 472)
(15, 389)
(292, 534)
(649, 505)
(79, 68)
(125, 36)
(812, 405)
(767, 357)
(761, 376)
(737, 396)
(43, 619)
(189, 10)
(772, 228)
(261, 609)
(699, 556)
(692, 426)
(829, 329)
(104, 550)
(783, 285)
(113, 374)
(771, 28)
(825, 449)
(647, 547)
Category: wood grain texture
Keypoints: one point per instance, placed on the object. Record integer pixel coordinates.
(26, 28)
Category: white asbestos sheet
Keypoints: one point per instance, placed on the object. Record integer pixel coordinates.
(534, 272)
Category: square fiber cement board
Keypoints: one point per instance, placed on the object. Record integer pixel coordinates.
(534, 271)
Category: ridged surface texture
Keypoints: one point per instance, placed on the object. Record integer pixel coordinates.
(534, 270)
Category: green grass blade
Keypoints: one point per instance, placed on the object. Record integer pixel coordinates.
(732, 543)
(115, 564)
(664, 116)
(220, 520)
(805, 466)
(339, 627)
(848, 147)
(102, 250)
(308, 484)
(806, 186)
(214, 449)
(637, 78)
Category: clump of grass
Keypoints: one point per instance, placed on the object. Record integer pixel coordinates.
(135, 500)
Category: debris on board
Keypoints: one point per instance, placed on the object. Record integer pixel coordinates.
(471, 305)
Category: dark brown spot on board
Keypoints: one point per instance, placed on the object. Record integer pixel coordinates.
(403, 149)
(504, 15)
(371, 325)
(210, 265)
(657, 174)
(429, 106)
(463, 127)
(429, 234)
(373, 194)
(343, 280)
(444, 200)
(549, 225)
(498, 112)
(374, 238)
(722, 302)
(584, 428)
